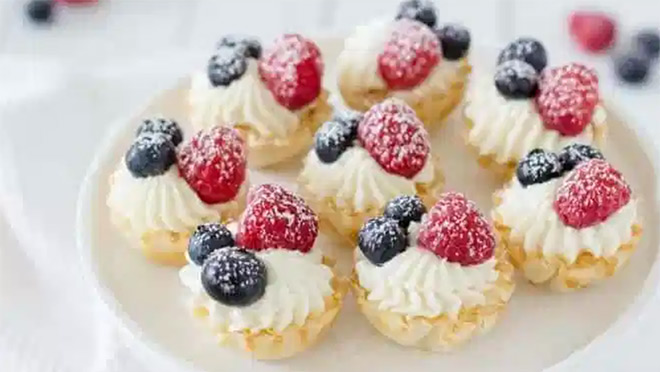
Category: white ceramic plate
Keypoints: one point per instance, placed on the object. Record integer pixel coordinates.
(540, 329)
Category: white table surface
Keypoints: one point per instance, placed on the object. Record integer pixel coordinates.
(115, 55)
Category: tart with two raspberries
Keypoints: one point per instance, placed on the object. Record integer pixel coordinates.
(263, 284)
(567, 219)
(411, 57)
(274, 97)
(527, 106)
(431, 279)
(163, 188)
(360, 162)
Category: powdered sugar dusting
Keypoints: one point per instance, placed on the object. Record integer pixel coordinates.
(234, 276)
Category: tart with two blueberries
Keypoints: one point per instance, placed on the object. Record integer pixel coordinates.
(360, 162)
(431, 279)
(527, 105)
(163, 188)
(263, 285)
(411, 57)
(274, 96)
(567, 219)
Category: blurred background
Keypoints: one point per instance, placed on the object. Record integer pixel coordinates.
(69, 69)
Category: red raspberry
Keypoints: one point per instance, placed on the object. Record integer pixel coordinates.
(454, 229)
(567, 97)
(394, 136)
(411, 52)
(593, 31)
(213, 163)
(276, 218)
(292, 70)
(591, 193)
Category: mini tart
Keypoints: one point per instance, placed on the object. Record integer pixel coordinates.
(277, 115)
(433, 88)
(293, 303)
(543, 239)
(417, 297)
(158, 211)
(352, 185)
(519, 109)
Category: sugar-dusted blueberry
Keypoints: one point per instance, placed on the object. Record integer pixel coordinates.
(350, 119)
(538, 166)
(250, 46)
(168, 127)
(380, 239)
(405, 209)
(234, 277)
(633, 68)
(226, 65)
(455, 41)
(576, 153)
(420, 10)
(525, 49)
(516, 79)
(331, 140)
(648, 42)
(40, 11)
(206, 239)
(151, 154)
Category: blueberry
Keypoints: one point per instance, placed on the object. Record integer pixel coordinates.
(234, 277)
(226, 65)
(40, 11)
(516, 79)
(405, 209)
(648, 42)
(632, 68)
(350, 119)
(525, 49)
(538, 166)
(574, 154)
(150, 155)
(331, 140)
(380, 239)
(168, 127)
(455, 41)
(250, 47)
(419, 10)
(206, 239)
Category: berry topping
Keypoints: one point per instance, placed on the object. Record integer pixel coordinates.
(167, 127)
(380, 239)
(593, 31)
(454, 229)
(516, 79)
(418, 10)
(648, 42)
(590, 194)
(150, 155)
(276, 218)
(572, 155)
(234, 277)
(292, 70)
(525, 49)
(225, 66)
(40, 11)
(350, 119)
(410, 53)
(633, 68)
(538, 166)
(455, 41)
(206, 239)
(248, 46)
(331, 140)
(394, 136)
(567, 98)
(213, 163)
(405, 209)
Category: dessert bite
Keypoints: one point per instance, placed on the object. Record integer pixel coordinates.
(273, 96)
(567, 219)
(411, 57)
(526, 105)
(360, 162)
(263, 284)
(431, 279)
(164, 188)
